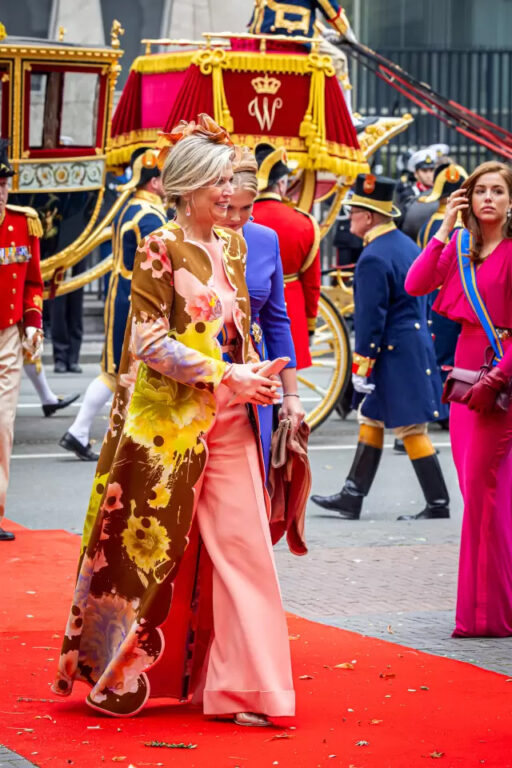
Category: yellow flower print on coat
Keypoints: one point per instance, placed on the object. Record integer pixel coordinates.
(94, 505)
(146, 542)
(166, 417)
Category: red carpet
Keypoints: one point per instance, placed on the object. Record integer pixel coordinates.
(396, 708)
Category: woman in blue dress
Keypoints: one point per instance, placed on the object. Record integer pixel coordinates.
(270, 326)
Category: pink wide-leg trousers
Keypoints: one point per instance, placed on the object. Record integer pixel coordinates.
(248, 667)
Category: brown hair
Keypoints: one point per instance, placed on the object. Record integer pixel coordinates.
(245, 180)
(244, 170)
(468, 217)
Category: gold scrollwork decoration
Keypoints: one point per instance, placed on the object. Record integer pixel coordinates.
(209, 59)
(115, 32)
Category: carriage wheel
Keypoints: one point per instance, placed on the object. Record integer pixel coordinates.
(324, 382)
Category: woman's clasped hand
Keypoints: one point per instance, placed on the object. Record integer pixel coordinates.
(249, 386)
(482, 395)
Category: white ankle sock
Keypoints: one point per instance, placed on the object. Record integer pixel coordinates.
(96, 396)
(40, 384)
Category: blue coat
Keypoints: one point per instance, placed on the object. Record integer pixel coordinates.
(392, 334)
(264, 276)
(293, 17)
(141, 215)
(446, 332)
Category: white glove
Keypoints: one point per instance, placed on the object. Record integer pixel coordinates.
(362, 385)
(32, 343)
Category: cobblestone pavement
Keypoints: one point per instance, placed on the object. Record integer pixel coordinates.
(377, 576)
(10, 759)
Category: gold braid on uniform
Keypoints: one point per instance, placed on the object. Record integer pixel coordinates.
(35, 228)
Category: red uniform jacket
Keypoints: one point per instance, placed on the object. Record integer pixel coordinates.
(299, 241)
(21, 285)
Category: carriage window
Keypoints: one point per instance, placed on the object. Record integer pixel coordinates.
(63, 109)
(79, 109)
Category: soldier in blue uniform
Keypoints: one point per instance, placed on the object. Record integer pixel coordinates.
(394, 362)
(296, 17)
(448, 177)
(141, 215)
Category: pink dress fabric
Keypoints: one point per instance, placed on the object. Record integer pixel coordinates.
(248, 668)
(481, 443)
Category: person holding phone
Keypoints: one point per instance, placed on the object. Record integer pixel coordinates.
(177, 559)
(481, 434)
(270, 325)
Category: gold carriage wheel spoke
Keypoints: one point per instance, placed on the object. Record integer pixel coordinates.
(328, 363)
(311, 385)
(330, 353)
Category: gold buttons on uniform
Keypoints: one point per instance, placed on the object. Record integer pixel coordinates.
(390, 347)
(428, 372)
(14, 275)
(372, 345)
(10, 228)
(417, 326)
(11, 321)
(14, 290)
(13, 243)
(11, 306)
(436, 414)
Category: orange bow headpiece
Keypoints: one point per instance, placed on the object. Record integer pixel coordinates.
(244, 160)
(205, 126)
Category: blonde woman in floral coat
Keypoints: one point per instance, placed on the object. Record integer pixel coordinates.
(177, 593)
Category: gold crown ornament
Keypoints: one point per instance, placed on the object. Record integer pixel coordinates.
(266, 84)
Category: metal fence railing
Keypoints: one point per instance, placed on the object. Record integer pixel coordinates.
(480, 80)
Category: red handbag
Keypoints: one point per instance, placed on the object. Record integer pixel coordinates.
(460, 380)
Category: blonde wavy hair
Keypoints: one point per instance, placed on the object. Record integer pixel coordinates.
(468, 217)
(193, 163)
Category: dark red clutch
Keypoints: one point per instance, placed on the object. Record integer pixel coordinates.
(460, 380)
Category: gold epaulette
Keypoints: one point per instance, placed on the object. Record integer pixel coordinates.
(35, 228)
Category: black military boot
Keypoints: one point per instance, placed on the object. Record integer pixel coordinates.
(429, 473)
(349, 501)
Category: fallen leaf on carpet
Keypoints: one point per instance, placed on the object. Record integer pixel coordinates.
(305, 677)
(331, 756)
(344, 665)
(44, 717)
(293, 637)
(387, 675)
(118, 758)
(390, 629)
(424, 688)
(94, 727)
(375, 722)
(362, 743)
(278, 736)
(436, 755)
(164, 744)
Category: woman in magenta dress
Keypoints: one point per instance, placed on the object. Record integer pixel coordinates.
(481, 436)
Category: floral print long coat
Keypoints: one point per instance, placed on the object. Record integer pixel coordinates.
(142, 503)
